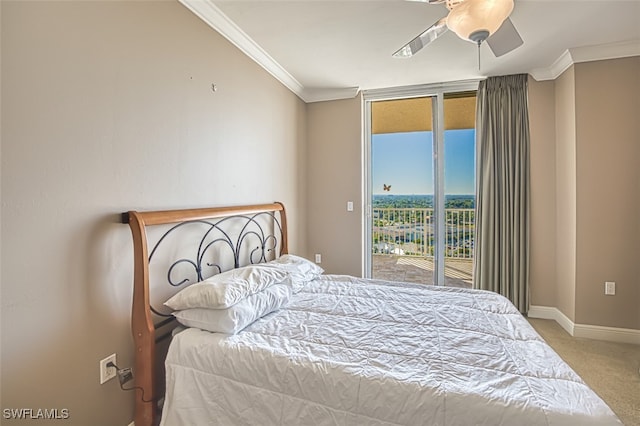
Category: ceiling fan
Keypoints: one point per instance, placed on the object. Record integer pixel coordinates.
(471, 20)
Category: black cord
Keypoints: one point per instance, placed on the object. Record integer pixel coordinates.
(112, 365)
(141, 390)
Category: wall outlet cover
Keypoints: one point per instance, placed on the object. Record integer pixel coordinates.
(107, 373)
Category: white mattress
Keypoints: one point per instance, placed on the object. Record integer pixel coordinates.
(350, 351)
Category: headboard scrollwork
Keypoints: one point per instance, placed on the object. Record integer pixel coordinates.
(244, 239)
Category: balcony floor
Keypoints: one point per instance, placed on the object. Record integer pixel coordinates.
(458, 272)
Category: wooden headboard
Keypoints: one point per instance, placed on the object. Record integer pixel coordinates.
(215, 239)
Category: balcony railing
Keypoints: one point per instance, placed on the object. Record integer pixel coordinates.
(411, 232)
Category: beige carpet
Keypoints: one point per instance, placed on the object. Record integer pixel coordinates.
(612, 370)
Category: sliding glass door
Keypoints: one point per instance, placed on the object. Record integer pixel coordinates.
(459, 137)
(420, 167)
(402, 196)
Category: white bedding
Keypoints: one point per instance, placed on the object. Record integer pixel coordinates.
(350, 351)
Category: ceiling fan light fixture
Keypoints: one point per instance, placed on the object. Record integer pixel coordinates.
(476, 20)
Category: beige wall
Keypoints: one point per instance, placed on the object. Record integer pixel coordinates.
(608, 191)
(592, 170)
(565, 193)
(106, 106)
(562, 218)
(335, 177)
(568, 268)
(542, 277)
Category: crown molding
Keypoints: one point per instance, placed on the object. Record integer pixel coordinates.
(555, 70)
(576, 55)
(216, 19)
(329, 94)
(431, 89)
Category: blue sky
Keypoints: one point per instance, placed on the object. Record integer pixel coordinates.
(405, 161)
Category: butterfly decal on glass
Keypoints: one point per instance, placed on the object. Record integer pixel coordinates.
(386, 187)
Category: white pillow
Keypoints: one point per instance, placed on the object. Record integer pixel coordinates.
(226, 289)
(300, 269)
(240, 315)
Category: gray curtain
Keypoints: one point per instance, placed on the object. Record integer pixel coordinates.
(501, 258)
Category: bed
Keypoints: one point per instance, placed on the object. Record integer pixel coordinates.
(329, 349)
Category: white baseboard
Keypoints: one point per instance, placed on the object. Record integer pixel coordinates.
(545, 312)
(611, 334)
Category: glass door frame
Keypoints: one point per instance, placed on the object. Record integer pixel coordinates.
(436, 92)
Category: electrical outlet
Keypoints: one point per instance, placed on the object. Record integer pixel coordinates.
(107, 373)
(318, 258)
(610, 288)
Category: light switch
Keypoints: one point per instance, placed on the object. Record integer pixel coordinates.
(610, 288)
(349, 206)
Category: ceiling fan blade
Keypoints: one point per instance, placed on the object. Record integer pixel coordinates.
(430, 34)
(505, 39)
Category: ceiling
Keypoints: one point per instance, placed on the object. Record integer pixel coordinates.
(331, 49)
